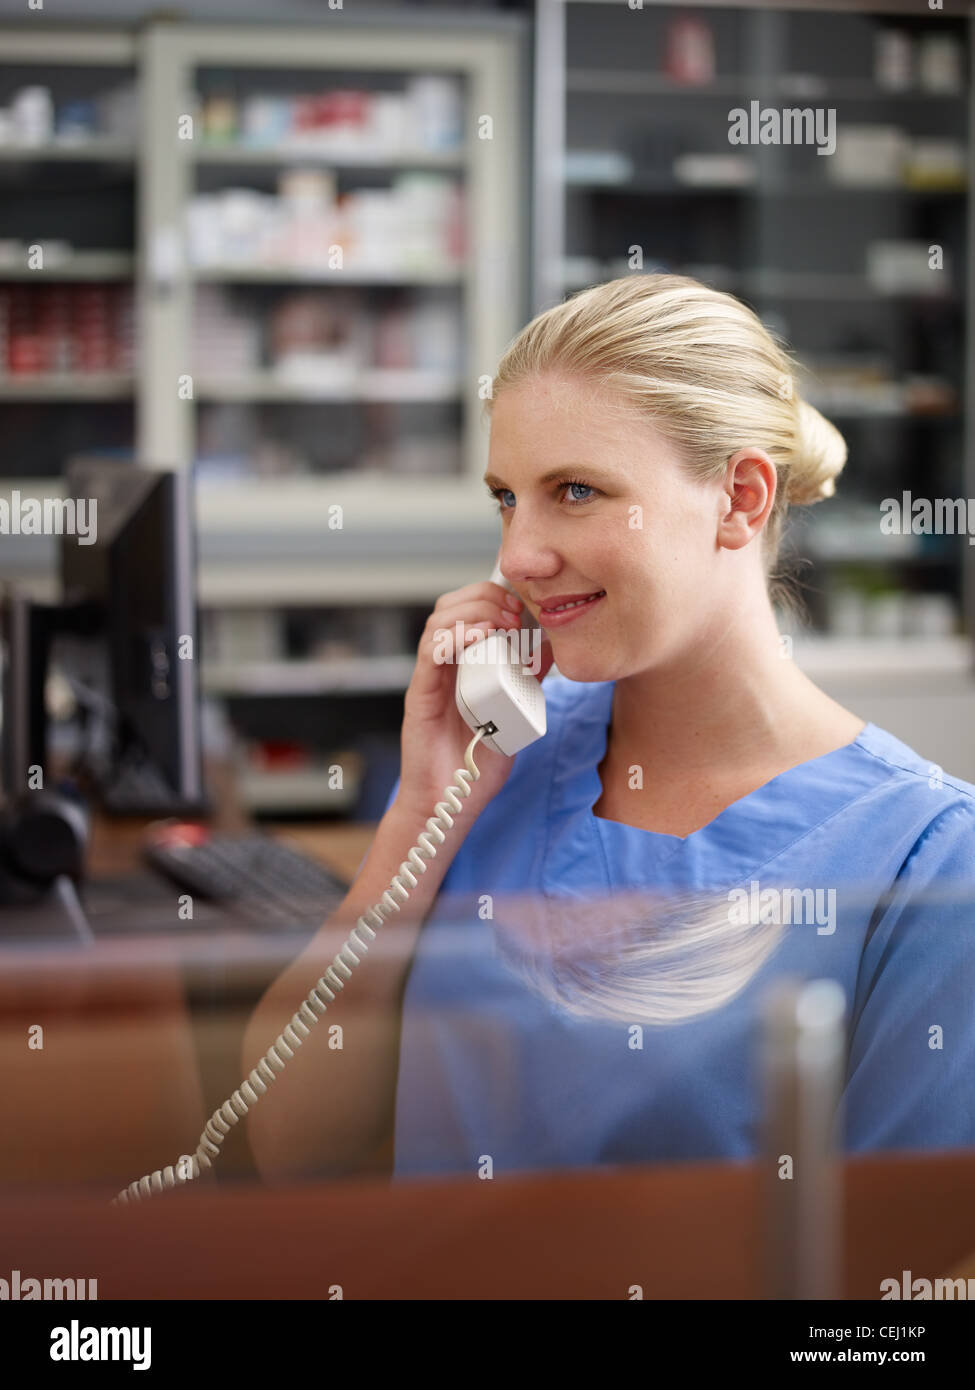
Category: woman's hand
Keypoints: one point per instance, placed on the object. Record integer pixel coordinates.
(434, 736)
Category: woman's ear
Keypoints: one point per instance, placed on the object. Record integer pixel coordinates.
(749, 494)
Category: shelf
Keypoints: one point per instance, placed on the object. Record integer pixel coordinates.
(101, 148)
(93, 386)
(81, 265)
(72, 47)
(855, 536)
(339, 159)
(372, 497)
(801, 188)
(663, 186)
(351, 584)
(785, 284)
(887, 659)
(825, 285)
(859, 557)
(841, 287)
(322, 275)
(833, 656)
(801, 87)
(362, 675)
(364, 384)
(306, 790)
(600, 82)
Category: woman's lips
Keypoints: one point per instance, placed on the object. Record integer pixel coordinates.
(552, 619)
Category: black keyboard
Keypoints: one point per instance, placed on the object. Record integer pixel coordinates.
(267, 882)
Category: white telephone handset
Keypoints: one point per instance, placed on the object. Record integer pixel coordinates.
(505, 706)
(496, 690)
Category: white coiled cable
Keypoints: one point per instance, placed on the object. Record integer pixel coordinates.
(250, 1091)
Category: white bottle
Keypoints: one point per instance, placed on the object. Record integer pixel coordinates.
(32, 110)
(939, 66)
(893, 60)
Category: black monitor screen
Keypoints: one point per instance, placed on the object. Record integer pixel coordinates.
(133, 593)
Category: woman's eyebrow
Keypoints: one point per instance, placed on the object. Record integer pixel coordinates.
(555, 473)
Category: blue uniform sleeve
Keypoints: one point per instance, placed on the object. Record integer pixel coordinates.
(389, 801)
(911, 1071)
(392, 796)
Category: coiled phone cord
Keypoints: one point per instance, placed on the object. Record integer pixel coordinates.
(250, 1091)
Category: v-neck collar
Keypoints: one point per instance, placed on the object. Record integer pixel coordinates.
(748, 833)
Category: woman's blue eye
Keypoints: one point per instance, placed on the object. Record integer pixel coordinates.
(586, 486)
(574, 501)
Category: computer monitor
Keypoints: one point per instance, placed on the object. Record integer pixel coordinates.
(130, 599)
(127, 637)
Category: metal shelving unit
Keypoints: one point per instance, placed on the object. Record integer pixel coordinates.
(64, 56)
(265, 542)
(610, 125)
(491, 280)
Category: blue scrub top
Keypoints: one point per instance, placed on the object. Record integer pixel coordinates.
(491, 1064)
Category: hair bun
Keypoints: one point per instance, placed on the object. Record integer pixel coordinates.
(820, 456)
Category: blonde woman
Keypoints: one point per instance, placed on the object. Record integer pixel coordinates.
(577, 976)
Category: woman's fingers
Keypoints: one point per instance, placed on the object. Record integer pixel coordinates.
(437, 649)
(486, 589)
(441, 626)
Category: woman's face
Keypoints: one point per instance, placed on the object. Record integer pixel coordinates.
(633, 524)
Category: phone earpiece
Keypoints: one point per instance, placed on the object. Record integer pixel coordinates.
(493, 688)
(498, 578)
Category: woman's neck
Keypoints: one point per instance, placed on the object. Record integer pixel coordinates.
(736, 702)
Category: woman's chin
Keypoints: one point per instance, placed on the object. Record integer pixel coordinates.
(578, 665)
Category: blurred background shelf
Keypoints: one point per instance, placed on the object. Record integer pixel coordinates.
(68, 386)
(306, 152)
(296, 274)
(271, 793)
(375, 384)
(94, 149)
(81, 265)
(926, 660)
(360, 674)
(618, 82)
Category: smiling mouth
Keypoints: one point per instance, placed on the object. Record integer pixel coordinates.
(577, 603)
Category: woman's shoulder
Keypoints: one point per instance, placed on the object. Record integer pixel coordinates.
(912, 795)
(899, 765)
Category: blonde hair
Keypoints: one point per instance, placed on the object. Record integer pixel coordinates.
(704, 370)
(641, 956)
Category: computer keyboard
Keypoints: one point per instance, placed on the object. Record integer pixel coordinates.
(267, 882)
